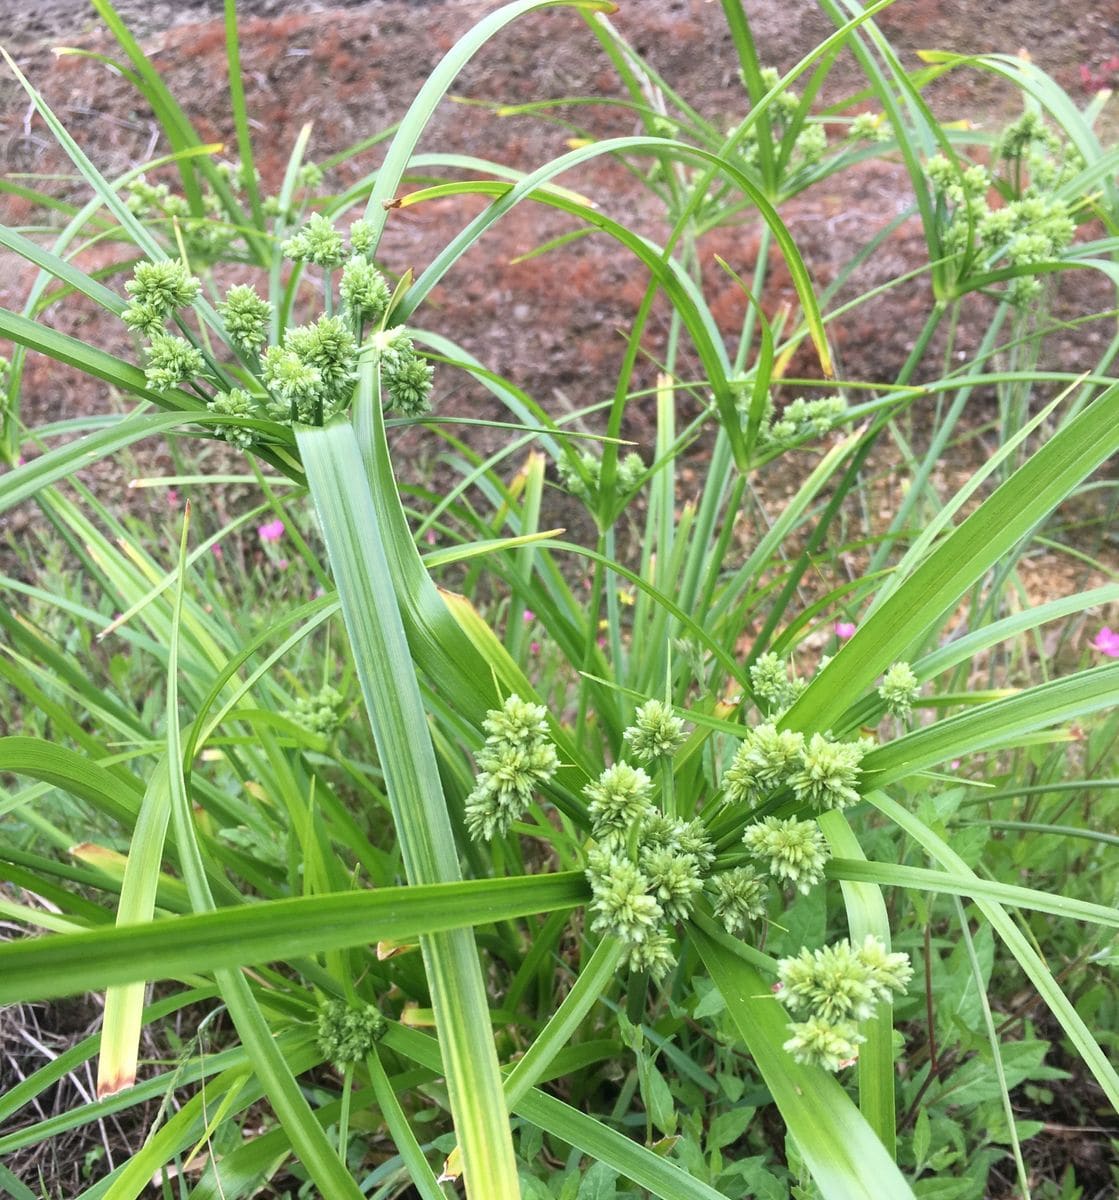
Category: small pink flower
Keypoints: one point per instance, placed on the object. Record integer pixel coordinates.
(272, 531)
(20, 461)
(844, 630)
(216, 550)
(602, 643)
(282, 564)
(172, 498)
(429, 537)
(1106, 642)
(534, 647)
(529, 615)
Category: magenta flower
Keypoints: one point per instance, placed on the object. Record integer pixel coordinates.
(272, 531)
(529, 615)
(216, 550)
(534, 647)
(172, 498)
(1106, 642)
(844, 630)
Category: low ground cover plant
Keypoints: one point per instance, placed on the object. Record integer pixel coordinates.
(683, 861)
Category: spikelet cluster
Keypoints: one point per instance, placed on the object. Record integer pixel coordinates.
(1035, 223)
(899, 689)
(822, 773)
(345, 1034)
(518, 756)
(308, 374)
(647, 867)
(833, 989)
(582, 477)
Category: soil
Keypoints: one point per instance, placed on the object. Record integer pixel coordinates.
(555, 324)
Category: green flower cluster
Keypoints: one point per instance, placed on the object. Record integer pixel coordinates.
(246, 317)
(157, 289)
(822, 773)
(738, 896)
(317, 242)
(899, 689)
(639, 888)
(207, 237)
(346, 1035)
(311, 376)
(656, 732)
(518, 756)
(798, 421)
(236, 403)
(1034, 225)
(869, 127)
(583, 478)
(405, 375)
(812, 140)
(803, 419)
(621, 800)
(320, 713)
(171, 361)
(769, 677)
(835, 988)
(647, 867)
(792, 851)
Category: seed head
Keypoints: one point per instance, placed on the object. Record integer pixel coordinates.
(739, 896)
(171, 361)
(656, 732)
(620, 798)
(899, 689)
(246, 317)
(823, 1043)
(828, 773)
(793, 850)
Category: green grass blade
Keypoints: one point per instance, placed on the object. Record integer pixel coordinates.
(352, 530)
(435, 88)
(269, 931)
(999, 723)
(895, 875)
(124, 1005)
(648, 1170)
(866, 914)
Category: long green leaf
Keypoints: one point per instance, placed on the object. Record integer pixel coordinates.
(631, 1159)
(896, 875)
(351, 526)
(961, 558)
(435, 88)
(269, 931)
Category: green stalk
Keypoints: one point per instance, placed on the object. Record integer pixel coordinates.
(338, 483)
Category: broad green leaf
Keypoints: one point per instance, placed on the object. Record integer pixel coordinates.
(352, 529)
